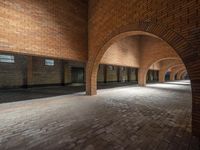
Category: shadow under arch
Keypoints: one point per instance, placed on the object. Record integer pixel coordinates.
(183, 48)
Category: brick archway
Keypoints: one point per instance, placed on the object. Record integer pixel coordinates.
(172, 76)
(166, 67)
(184, 74)
(180, 73)
(176, 41)
(143, 70)
(183, 48)
(175, 70)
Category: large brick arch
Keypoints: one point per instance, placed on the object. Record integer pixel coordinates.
(183, 48)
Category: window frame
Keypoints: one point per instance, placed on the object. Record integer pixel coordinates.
(7, 58)
(49, 62)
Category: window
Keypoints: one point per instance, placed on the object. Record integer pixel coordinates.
(49, 62)
(7, 58)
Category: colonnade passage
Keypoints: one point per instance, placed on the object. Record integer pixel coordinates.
(99, 75)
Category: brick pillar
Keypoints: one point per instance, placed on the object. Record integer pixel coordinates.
(142, 73)
(162, 76)
(172, 75)
(91, 79)
(29, 72)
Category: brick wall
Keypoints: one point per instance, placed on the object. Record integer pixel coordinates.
(124, 53)
(54, 28)
(106, 16)
(154, 50)
(13, 74)
(44, 75)
(138, 51)
(155, 66)
(16, 75)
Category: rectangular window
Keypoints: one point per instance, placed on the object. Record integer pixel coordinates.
(7, 58)
(49, 62)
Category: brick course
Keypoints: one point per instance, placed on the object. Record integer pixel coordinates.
(45, 28)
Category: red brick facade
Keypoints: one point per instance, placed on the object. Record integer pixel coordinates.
(45, 28)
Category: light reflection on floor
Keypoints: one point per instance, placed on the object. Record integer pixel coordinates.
(154, 117)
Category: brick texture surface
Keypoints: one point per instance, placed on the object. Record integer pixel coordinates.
(127, 118)
(46, 28)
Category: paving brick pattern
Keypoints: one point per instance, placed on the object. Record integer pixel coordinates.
(132, 118)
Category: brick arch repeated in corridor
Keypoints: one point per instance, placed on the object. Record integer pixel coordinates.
(180, 73)
(184, 75)
(175, 70)
(184, 49)
(142, 73)
(166, 67)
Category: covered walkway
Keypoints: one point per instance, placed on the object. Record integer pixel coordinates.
(154, 117)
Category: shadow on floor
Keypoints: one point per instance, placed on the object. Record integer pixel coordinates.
(22, 94)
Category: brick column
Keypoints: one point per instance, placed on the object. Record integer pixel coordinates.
(172, 75)
(142, 73)
(162, 76)
(91, 80)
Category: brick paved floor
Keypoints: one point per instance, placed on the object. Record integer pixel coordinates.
(134, 118)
